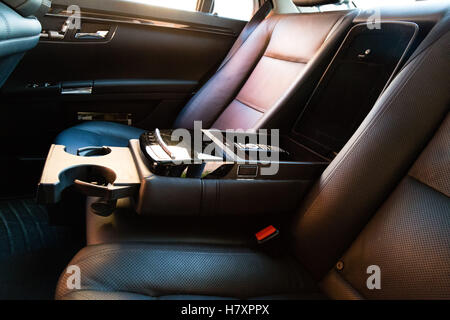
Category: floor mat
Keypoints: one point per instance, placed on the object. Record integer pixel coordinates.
(32, 252)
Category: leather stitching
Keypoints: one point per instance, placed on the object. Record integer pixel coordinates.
(426, 185)
(106, 251)
(346, 282)
(287, 59)
(249, 105)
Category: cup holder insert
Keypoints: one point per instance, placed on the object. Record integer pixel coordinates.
(93, 151)
(93, 174)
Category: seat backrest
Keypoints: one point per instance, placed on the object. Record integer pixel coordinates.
(272, 64)
(384, 201)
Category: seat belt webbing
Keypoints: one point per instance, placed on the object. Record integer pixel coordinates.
(251, 26)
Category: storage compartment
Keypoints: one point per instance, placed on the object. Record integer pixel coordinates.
(214, 154)
(354, 80)
(206, 197)
(236, 173)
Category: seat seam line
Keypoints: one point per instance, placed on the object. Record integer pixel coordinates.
(349, 284)
(425, 184)
(286, 59)
(112, 251)
(249, 105)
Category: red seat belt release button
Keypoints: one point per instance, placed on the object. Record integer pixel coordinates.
(266, 234)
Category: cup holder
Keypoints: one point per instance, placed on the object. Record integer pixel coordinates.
(96, 175)
(96, 181)
(93, 151)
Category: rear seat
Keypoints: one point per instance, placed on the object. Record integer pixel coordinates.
(286, 54)
(382, 207)
(275, 62)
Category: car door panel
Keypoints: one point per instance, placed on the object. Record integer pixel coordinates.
(146, 62)
(142, 73)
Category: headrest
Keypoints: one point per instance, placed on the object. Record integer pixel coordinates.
(311, 3)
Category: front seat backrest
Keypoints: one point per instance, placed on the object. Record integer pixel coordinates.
(379, 184)
(266, 70)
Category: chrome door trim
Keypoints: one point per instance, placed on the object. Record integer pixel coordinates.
(76, 91)
(144, 22)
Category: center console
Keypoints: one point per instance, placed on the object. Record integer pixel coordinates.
(230, 173)
(200, 172)
(214, 154)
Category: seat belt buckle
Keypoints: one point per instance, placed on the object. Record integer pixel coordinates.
(267, 234)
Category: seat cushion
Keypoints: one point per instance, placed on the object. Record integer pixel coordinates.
(157, 271)
(97, 133)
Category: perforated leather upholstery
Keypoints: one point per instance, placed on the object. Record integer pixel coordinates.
(416, 217)
(130, 271)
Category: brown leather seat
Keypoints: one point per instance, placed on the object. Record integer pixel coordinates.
(266, 71)
(284, 56)
(383, 204)
(384, 200)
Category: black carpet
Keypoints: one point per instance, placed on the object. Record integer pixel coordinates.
(32, 252)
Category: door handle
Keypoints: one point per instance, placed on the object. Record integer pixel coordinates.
(99, 35)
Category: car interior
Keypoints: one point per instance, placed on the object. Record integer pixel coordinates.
(348, 101)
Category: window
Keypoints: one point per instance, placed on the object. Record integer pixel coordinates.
(344, 5)
(234, 9)
(186, 5)
(363, 4)
(367, 4)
